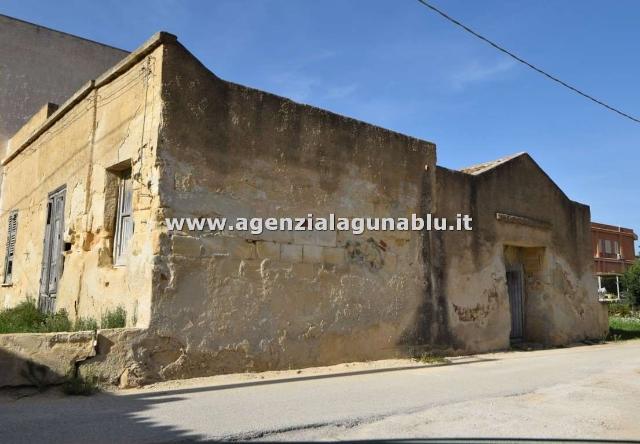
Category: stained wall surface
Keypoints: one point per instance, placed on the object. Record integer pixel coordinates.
(282, 299)
(99, 131)
(520, 218)
(213, 302)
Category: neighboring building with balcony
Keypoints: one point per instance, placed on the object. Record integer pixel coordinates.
(613, 251)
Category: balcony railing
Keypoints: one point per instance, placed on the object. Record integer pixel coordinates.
(603, 255)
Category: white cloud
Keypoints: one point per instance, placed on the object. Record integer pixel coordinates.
(476, 72)
(300, 79)
(340, 92)
(295, 85)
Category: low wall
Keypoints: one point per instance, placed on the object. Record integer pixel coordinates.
(42, 359)
(123, 357)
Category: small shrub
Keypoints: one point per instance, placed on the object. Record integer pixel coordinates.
(615, 337)
(58, 321)
(114, 318)
(85, 324)
(77, 385)
(631, 282)
(430, 358)
(24, 317)
(619, 309)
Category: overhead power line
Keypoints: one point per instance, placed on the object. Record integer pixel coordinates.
(524, 62)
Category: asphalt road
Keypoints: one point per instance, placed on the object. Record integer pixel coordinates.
(578, 392)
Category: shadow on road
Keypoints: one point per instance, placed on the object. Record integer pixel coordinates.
(312, 377)
(28, 416)
(125, 417)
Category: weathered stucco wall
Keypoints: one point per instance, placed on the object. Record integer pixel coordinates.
(35, 69)
(560, 291)
(101, 127)
(226, 301)
(233, 301)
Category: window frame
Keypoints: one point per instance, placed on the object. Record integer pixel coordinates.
(10, 249)
(124, 211)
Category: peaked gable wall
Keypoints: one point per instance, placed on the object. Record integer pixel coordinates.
(519, 217)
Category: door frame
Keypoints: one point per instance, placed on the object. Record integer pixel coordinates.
(46, 302)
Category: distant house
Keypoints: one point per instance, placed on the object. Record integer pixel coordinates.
(35, 69)
(613, 251)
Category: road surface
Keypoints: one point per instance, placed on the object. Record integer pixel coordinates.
(578, 392)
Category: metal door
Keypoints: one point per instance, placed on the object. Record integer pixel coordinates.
(515, 288)
(52, 252)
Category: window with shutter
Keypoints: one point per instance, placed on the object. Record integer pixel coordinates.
(11, 247)
(124, 219)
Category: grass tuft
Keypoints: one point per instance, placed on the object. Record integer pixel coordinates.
(77, 385)
(23, 318)
(58, 321)
(114, 318)
(26, 318)
(430, 358)
(85, 324)
(620, 309)
(624, 327)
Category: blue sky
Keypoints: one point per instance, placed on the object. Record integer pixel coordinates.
(396, 64)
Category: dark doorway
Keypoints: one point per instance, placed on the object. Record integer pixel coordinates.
(52, 253)
(515, 287)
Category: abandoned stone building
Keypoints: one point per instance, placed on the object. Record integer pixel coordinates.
(88, 185)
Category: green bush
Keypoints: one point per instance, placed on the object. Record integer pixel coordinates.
(77, 385)
(619, 309)
(58, 321)
(114, 318)
(624, 327)
(85, 324)
(631, 280)
(26, 318)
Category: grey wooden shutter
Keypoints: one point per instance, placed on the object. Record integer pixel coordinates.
(11, 246)
(44, 280)
(52, 259)
(56, 243)
(124, 222)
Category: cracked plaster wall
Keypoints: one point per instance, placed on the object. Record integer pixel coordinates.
(282, 299)
(227, 302)
(561, 304)
(114, 123)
